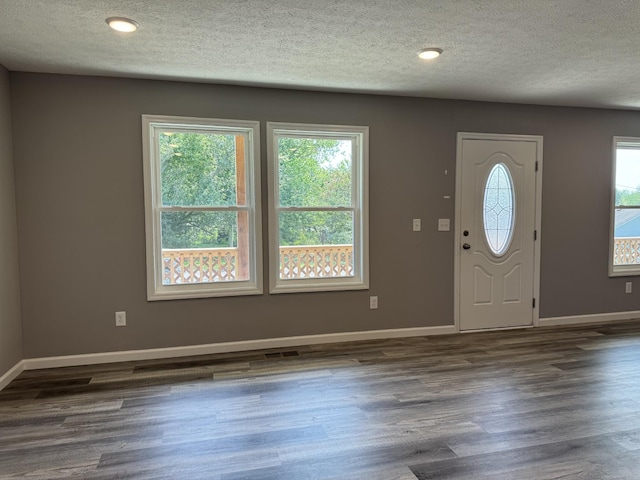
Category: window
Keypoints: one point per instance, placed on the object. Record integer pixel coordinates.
(318, 207)
(202, 207)
(625, 218)
(498, 209)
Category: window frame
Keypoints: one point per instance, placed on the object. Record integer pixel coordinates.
(620, 270)
(359, 205)
(156, 290)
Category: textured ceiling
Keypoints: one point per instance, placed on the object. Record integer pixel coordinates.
(555, 52)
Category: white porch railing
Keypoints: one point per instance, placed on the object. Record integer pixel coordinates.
(202, 265)
(626, 251)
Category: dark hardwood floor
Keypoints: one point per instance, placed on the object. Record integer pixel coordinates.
(545, 403)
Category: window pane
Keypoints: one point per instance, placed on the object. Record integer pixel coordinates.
(316, 244)
(199, 169)
(314, 172)
(498, 211)
(628, 176)
(626, 235)
(203, 247)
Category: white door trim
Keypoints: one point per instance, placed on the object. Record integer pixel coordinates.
(538, 216)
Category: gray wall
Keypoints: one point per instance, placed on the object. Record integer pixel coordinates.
(78, 158)
(10, 325)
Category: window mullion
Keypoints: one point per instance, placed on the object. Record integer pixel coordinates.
(316, 209)
(242, 208)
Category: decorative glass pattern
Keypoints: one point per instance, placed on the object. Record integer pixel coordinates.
(499, 209)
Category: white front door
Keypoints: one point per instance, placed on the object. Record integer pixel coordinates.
(496, 230)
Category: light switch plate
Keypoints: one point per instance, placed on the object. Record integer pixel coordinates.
(444, 224)
(373, 302)
(121, 319)
(417, 224)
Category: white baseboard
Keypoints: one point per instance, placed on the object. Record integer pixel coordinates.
(248, 345)
(499, 329)
(596, 318)
(16, 370)
(187, 351)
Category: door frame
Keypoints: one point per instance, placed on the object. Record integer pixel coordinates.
(458, 220)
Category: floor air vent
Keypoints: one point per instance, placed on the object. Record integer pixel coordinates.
(290, 353)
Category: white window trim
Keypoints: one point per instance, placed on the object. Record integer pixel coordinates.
(360, 205)
(155, 289)
(619, 270)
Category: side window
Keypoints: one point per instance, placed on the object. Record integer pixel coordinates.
(202, 207)
(625, 218)
(318, 207)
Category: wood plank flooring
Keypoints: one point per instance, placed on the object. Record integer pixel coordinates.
(546, 403)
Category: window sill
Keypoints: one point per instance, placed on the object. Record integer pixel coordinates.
(183, 292)
(624, 272)
(300, 286)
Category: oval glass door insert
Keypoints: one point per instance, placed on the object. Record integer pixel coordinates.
(498, 209)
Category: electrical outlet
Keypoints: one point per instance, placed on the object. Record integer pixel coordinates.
(373, 302)
(628, 287)
(417, 224)
(121, 319)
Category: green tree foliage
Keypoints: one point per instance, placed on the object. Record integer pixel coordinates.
(314, 173)
(628, 197)
(198, 169)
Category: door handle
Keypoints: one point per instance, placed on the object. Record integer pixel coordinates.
(466, 246)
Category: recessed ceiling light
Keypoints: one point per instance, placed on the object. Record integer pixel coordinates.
(429, 53)
(121, 24)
